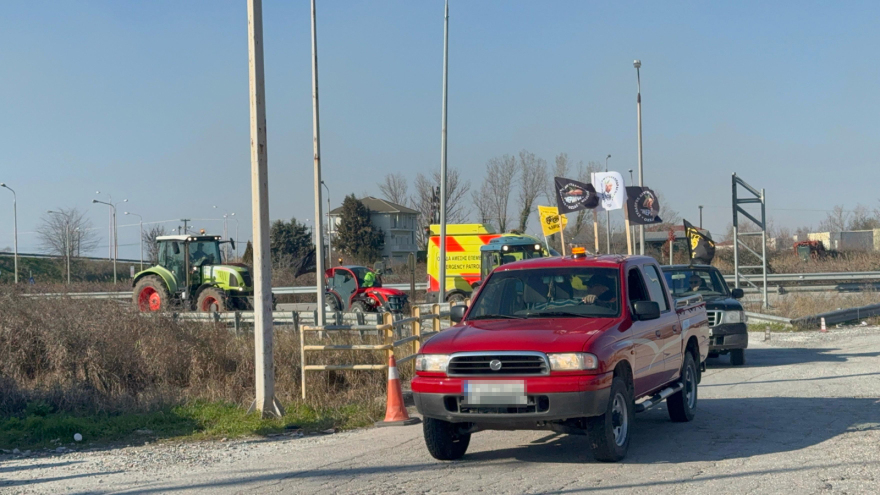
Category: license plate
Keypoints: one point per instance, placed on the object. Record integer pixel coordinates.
(495, 392)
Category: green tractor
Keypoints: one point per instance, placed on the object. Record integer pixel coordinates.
(191, 274)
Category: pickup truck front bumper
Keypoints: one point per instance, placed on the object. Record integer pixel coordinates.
(729, 336)
(443, 399)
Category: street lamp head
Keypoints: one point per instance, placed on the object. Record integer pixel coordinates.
(126, 213)
(609, 156)
(2, 184)
(94, 201)
(637, 63)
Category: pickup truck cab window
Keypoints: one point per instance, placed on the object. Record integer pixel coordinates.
(696, 281)
(549, 292)
(655, 287)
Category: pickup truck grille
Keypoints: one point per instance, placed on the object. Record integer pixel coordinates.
(534, 404)
(714, 317)
(480, 364)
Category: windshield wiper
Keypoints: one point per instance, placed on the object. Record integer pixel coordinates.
(560, 313)
(496, 317)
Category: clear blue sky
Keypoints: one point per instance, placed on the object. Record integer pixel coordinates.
(148, 101)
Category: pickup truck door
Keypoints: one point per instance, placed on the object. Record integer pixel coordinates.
(668, 324)
(646, 337)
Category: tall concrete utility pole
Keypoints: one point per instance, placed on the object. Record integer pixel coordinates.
(441, 289)
(265, 401)
(637, 64)
(319, 221)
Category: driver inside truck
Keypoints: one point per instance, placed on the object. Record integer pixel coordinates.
(599, 290)
(697, 283)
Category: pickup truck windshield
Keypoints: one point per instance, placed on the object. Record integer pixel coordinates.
(549, 293)
(695, 281)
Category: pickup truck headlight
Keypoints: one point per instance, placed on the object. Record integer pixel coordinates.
(432, 362)
(574, 361)
(733, 317)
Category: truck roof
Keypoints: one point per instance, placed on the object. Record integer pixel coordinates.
(686, 267)
(604, 261)
(188, 237)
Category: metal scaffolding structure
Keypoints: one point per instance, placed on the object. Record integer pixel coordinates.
(755, 197)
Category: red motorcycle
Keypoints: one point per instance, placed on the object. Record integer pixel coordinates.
(358, 289)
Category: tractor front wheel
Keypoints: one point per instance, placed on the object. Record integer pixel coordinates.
(212, 300)
(150, 294)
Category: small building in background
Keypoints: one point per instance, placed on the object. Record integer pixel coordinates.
(397, 222)
(853, 240)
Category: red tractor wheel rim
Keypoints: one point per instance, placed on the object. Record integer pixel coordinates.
(149, 299)
(210, 304)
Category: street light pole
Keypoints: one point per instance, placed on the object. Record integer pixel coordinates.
(638, 64)
(66, 239)
(441, 279)
(14, 227)
(142, 236)
(113, 217)
(316, 143)
(701, 216)
(607, 219)
(329, 230)
(632, 229)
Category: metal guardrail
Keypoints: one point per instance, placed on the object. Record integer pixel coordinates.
(768, 318)
(839, 316)
(809, 277)
(275, 290)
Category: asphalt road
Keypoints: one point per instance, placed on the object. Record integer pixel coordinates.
(803, 416)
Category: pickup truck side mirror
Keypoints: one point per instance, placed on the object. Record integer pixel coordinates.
(456, 313)
(646, 310)
(737, 293)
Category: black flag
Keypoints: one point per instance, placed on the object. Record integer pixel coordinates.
(306, 264)
(701, 247)
(572, 195)
(642, 205)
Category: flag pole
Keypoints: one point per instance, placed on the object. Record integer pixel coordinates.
(596, 229)
(629, 246)
(562, 235)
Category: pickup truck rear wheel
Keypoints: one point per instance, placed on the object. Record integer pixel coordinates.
(682, 405)
(609, 433)
(444, 440)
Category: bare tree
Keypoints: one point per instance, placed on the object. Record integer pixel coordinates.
(670, 218)
(838, 220)
(500, 175)
(66, 231)
(483, 204)
(395, 188)
(150, 243)
(863, 219)
(560, 169)
(424, 200)
(532, 178)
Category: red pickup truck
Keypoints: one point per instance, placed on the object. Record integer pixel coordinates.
(573, 344)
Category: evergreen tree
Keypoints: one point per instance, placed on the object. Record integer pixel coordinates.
(248, 257)
(356, 236)
(289, 241)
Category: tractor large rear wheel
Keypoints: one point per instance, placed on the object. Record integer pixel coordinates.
(150, 294)
(212, 300)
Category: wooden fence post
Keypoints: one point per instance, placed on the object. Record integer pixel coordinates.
(435, 308)
(302, 356)
(387, 321)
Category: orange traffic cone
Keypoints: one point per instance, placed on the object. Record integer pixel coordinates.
(395, 411)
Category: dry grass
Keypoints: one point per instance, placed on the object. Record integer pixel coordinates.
(98, 356)
(788, 262)
(799, 304)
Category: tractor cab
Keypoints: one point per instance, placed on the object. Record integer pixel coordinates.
(507, 249)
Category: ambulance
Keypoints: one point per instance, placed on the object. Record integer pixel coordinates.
(472, 251)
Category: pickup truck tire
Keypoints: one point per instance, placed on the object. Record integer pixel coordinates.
(609, 433)
(444, 440)
(737, 357)
(682, 405)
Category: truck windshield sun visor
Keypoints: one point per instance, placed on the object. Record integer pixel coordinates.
(549, 292)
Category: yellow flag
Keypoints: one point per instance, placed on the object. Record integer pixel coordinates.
(550, 219)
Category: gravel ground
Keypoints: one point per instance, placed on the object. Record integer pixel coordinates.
(802, 416)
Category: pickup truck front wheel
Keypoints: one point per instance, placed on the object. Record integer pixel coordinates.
(444, 440)
(609, 433)
(682, 405)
